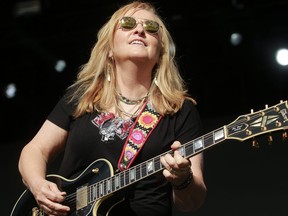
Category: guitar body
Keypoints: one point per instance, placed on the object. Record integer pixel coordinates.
(95, 172)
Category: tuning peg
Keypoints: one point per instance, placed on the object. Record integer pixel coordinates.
(284, 135)
(270, 139)
(255, 143)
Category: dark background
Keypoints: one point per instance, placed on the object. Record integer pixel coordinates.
(226, 80)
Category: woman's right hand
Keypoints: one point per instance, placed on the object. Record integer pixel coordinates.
(49, 197)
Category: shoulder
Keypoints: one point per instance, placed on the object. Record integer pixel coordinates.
(189, 106)
(188, 122)
(189, 113)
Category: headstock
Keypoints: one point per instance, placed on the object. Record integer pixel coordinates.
(266, 121)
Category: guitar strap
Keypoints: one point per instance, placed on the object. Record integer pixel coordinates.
(142, 128)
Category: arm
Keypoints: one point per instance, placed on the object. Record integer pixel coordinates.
(193, 195)
(33, 161)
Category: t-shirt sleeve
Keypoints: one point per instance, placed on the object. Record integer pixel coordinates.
(189, 123)
(61, 114)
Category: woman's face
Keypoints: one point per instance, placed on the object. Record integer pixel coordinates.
(136, 43)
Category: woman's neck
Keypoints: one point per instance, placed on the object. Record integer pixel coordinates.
(132, 86)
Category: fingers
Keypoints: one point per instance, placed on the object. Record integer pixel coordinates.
(175, 145)
(49, 199)
(175, 161)
(176, 167)
(51, 208)
(54, 194)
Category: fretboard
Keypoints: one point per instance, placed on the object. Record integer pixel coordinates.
(152, 166)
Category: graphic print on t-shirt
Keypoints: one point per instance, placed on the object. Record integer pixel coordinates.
(110, 125)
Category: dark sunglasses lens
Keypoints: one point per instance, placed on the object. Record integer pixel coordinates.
(151, 26)
(130, 23)
(127, 22)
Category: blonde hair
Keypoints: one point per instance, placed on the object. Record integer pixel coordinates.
(93, 91)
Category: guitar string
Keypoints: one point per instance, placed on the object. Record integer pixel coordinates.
(71, 198)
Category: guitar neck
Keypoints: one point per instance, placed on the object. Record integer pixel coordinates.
(153, 165)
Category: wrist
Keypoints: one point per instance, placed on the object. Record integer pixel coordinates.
(184, 184)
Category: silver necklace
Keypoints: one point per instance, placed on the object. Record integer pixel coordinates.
(130, 101)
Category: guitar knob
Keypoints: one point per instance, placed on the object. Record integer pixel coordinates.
(255, 143)
(95, 170)
(270, 139)
(284, 135)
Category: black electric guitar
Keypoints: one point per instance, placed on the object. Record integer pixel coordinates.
(97, 189)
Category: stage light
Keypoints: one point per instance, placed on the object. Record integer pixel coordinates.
(60, 66)
(282, 56)
(235, 39)
(10, 90)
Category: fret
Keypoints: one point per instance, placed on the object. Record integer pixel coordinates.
(208, 140)
(93, 193)
(117, 182)
(182, 151)
(138, 172)
(126, 179)
(122, 179)
(157, 163)
(101, 189)
(143, 169)
(104, 187)
(219, 135)
(98, 190)
(189, 149)
(108, 186)
(89, 194)
(198, 144)
(132, 175)
(150, 166)
(113, 183)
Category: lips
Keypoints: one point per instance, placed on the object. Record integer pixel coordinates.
(140, 42)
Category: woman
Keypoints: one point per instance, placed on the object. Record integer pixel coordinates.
(131, 71)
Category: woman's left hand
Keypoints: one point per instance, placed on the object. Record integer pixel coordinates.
(177, 168)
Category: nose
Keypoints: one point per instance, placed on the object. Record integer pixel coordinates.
(139, 27)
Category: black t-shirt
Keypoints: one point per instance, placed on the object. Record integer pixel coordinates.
(101, 136)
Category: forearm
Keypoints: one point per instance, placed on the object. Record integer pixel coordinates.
(192, 197)
(32, 165)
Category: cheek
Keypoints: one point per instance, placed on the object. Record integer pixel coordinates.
(157, 49)
(119, 41)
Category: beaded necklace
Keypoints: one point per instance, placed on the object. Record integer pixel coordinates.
(130, 101)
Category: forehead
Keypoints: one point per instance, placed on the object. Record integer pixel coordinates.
(140, 13)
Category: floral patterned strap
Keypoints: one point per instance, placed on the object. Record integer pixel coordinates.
(143, 126)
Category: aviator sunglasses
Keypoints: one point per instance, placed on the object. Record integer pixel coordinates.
(130, 23)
